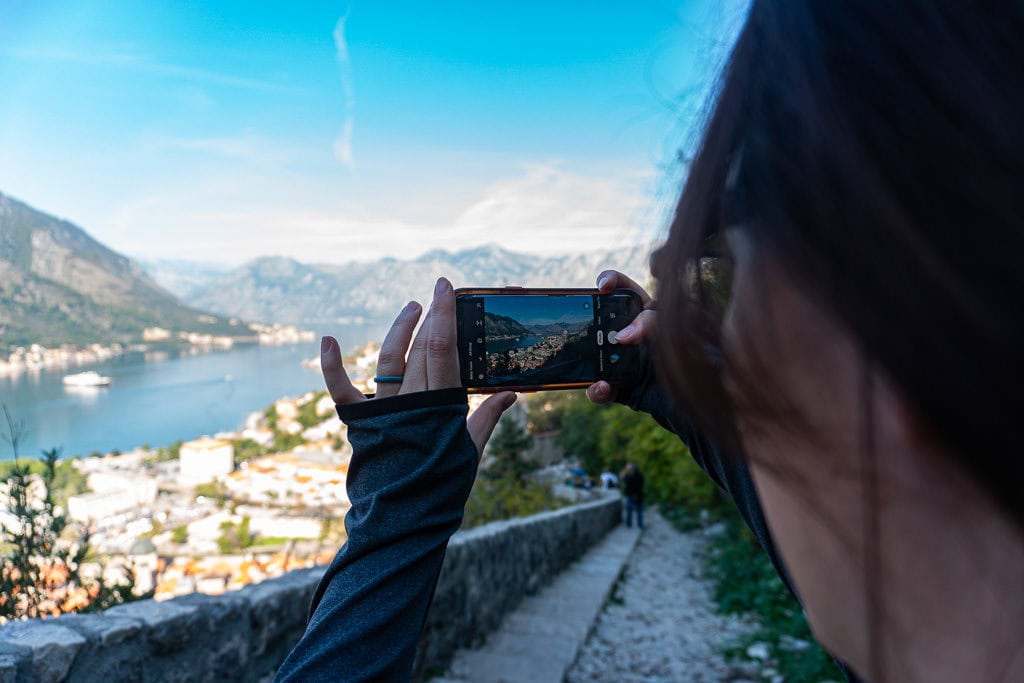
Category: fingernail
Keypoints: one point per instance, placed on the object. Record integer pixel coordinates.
(410, 307)
(442, 286)
(510, 401)
(600, 283)
(626, 332)
(325, 344)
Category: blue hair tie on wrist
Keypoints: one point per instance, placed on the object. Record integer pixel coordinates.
(388, 379)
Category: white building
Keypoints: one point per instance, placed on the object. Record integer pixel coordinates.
(204, 460)
(325, 430)
(143, 487)
(260, 435)
(368, 357)
(325, 405)
(112, 493)
(100, 506)
(297, 478)
(285, 527)
(152, 334)
(204, 532)
(287, 409)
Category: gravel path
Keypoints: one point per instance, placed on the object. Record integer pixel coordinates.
(661, 623)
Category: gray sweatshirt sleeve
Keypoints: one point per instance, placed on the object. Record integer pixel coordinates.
(412, 468)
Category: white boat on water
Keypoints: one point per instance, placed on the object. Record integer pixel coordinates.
(86, 379)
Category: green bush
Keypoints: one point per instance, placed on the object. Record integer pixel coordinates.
(247, 449)
(235, 537)
(747, 583)
(307, 416)
(67, 480)
(212, 489)
(38, 540)
(606, 437)
(504, 488)
(494, 499)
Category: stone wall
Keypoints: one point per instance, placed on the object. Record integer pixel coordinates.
(244, 635)
(489, 569)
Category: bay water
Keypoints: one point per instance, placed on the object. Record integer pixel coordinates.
(155, 398)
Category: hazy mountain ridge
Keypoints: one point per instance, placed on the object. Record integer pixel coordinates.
(503, 326)
(283, 290)
(181, 277)
(60, 285)
(558, 328)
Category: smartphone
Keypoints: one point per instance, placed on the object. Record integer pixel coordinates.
(512, 338)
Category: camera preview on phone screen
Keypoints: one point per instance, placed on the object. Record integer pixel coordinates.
(518, 340)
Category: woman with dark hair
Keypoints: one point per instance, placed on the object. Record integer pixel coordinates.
(839, 341)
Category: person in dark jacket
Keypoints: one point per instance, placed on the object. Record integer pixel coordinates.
(839, 341)
(413, 464)
(633, 492)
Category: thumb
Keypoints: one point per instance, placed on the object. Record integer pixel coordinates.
(481, 422)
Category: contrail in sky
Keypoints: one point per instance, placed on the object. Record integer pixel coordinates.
(343, 143)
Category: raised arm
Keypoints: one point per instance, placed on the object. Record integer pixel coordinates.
(413, 463)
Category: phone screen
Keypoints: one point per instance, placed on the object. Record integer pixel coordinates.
(545, 340)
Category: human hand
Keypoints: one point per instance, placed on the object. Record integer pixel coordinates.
(638, 331)
(432, 363)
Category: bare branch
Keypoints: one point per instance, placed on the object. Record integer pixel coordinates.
(15, 430)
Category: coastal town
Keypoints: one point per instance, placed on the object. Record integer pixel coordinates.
(530, 357)
(223, 510)
(35, 357)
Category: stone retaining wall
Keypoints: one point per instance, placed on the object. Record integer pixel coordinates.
(244, 635)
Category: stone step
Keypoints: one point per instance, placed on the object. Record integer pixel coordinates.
(540, 639)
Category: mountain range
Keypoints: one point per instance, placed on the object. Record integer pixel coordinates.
(502, 326)
(59, 285)
(283, 290)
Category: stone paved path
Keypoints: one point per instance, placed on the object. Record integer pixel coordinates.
(661, 624)
(539, 640)
(657, 624)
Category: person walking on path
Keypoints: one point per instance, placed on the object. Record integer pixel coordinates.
(633, 489)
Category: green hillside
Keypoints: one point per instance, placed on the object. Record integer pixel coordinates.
(59, 285)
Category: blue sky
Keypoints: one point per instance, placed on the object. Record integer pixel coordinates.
(331, 132)
(541, 310)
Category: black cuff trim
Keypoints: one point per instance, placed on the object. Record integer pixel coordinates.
(395, 404)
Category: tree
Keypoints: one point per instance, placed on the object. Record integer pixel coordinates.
(213, 490)
(234, 537)
(180, 534)
(507, 449)
(606, 437)
(546, 411)
(307, 416)
(283, 441)
(504, 488)
(247, 449)
(41, 573)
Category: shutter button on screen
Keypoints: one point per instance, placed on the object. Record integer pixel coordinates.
(613, 337)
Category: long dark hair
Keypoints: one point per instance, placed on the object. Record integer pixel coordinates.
(874, 150)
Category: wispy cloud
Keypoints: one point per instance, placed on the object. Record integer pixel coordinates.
(343, 142)
(246, 147)
(548, 208)
(134, 61)
(544, 208)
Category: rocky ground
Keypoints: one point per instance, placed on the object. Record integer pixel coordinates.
(660, 623)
